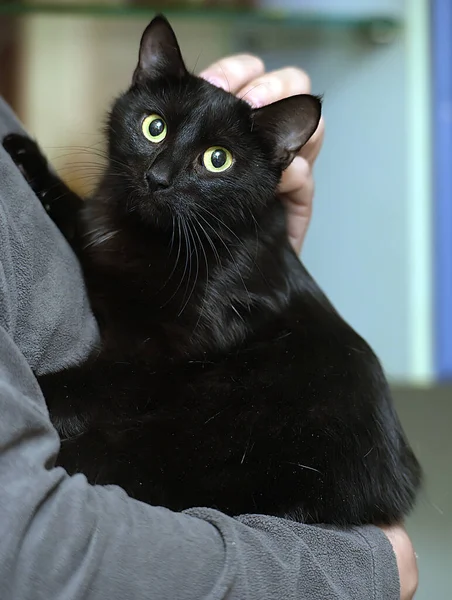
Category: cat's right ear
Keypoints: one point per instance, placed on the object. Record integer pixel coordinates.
(159, 52)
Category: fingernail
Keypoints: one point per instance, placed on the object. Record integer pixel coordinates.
(255, 100)
(216, 81)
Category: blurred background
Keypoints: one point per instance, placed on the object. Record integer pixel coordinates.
(380, 243)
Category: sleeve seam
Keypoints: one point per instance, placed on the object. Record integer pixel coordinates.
(374, 569)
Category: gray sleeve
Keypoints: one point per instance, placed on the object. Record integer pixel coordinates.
(63, 538)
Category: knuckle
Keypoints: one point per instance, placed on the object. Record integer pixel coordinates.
(241, 63)
(225, 66)
(254, 61)
(299, 78)
(320, 131)
(304, 171)
(302, 168)
(272, 86)
(297, 176)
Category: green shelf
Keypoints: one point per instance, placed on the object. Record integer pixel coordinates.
(243, 16)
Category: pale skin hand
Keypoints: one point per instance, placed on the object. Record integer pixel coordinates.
(406, 560)
(245, 76)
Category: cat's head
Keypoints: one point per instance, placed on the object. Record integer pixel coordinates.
(181, 148)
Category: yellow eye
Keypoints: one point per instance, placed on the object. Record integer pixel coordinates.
(154, 128)
(217, 159)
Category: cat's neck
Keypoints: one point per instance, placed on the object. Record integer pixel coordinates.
(194, 288)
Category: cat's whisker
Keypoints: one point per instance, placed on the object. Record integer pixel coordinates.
(90, 161)
(184, 236)
(180, 240)
(82, 164)
(237, 313)
(256, 243)
(201, 312)
(368, 452)
(176, 262)
(99, 236)
(178, 251)
(189, 257)
(57, 158)
(222, 223)
(215, 415)
(212, 245)
(303, 466)
(80, 174)
(197, 259)
(246, 448)
(57, 197)
(232, 258)
(172, 234)
(110, 126)
(120, 163)
(83, 178)
(97, 153)
(195, 281)
(67, 147)
(74, 152)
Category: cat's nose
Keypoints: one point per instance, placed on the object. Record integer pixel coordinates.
(158, 180)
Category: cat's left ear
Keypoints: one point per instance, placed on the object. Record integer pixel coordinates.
(289, 124)
(160, 54)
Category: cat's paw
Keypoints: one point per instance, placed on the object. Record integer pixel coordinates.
(26, 155)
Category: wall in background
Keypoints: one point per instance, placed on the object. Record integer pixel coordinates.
(426, 415)
(370, 242)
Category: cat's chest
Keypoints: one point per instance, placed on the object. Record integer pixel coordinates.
(148, 335)
(137, 322)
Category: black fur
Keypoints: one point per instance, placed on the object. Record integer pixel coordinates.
(225, 377)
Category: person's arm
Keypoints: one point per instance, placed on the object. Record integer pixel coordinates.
(61, 537)
(406, 560)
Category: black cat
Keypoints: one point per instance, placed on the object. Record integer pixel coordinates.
(225, 377)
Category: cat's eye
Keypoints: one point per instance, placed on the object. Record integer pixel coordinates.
(154, 128)
(217, 159)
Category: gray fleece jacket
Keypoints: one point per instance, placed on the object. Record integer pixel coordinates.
(61, 538)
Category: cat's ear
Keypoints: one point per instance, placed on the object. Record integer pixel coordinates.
(289, 124)
(159, 52)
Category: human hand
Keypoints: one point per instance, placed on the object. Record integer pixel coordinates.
(245, 76)
(406, 560)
